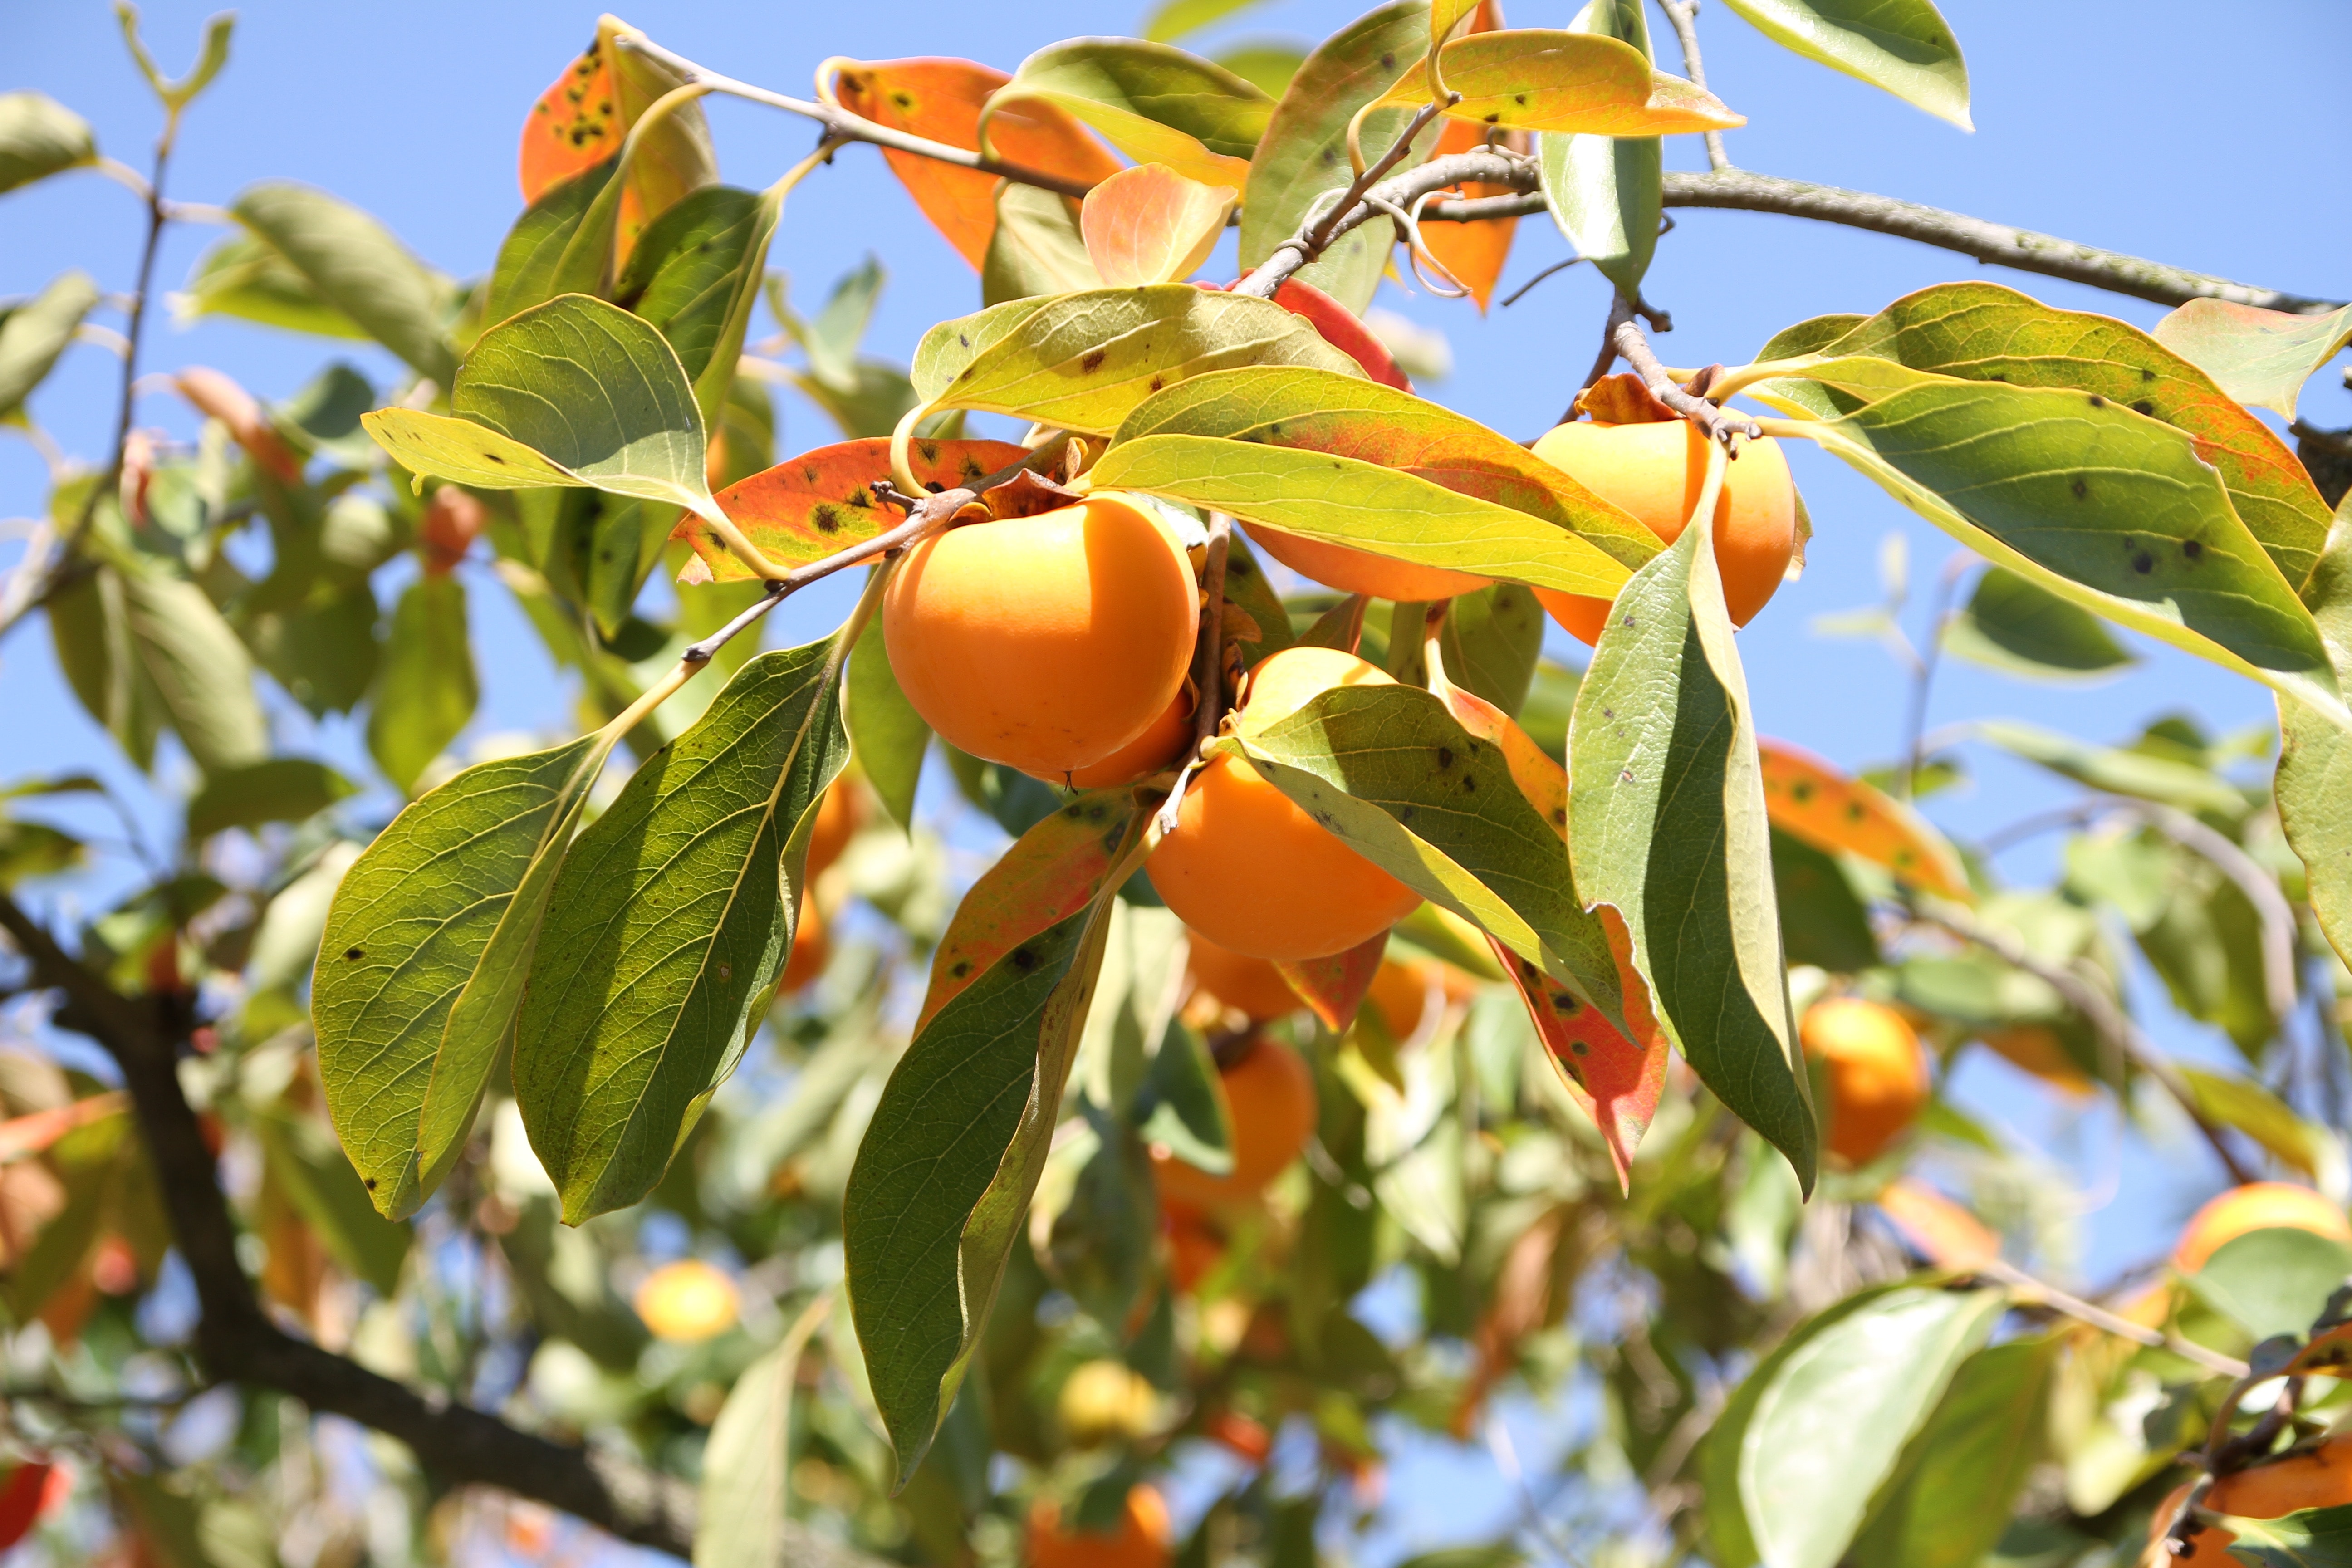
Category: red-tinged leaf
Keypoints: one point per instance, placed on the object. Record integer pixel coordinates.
(1938, 1229)
(1054, 870)
(1536, 79)
(942, 100)
(575, 125)
(807, 508)
(2261, 358)
(1616, 1080)
(1340, 327)
(1473, 252)
(216, 396)
(1334, 987)
(1151, 225)
(21, 1496)
(1812, 799)
(22, 1136)
(1537, 773)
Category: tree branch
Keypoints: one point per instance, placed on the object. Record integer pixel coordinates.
(238, 1343)
(1625, 339)
(1684, 14)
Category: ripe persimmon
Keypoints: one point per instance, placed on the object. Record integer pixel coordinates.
(1877, 1073)
(686, 1301)
(811, 949)
(1046, 642)
(1400, 993)
(2257, 1205)
(1250, 870)
(2316, 1478)
(1271, 1094)
(1140, 1540)
(841, 811)
(1655, 471)
(1158, 747)
(1247, 985)
(1355, 571)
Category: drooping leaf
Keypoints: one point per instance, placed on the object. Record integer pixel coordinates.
(1492, 643)
(41, 137)
(279, 789)
(886, 736)
(1615, 1075)
(428, 689)
(89, 632)
(2098, 504)
(2116, 769)
(668, 928)
(425, 950)
(573, 126)
(1605, 192)
(695, 273)
(33, 333)
(1982, 332)
(302, 1161)
(1902, 45)
(1152, 101)
(746, 1466)
(1666, 814)
(1037, 247)
(1817, 802)
(2315, 765)
(673, 157)
(1832, 1423)
(1534, 79)
(1304, 154)
(2010, 623)
(940, 99)
(197, 668)
(1960, 1483)
(1151, 225)
(1473, 252)
(2259, 357)
(357, 267)
(1821, 921)
(808, 507)
(2228, 1100)
(1334, 987)
(1083, 362)
(943, 1178)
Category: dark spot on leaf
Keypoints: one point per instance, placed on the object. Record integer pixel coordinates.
(1388, 61)
(930, 449)
(2147, 375)
(1158, 382)
(1093, 360)
(1496, 118)
(1559, 814)
(726, 971)
(2143, 563)
(1469, 784)
(1853, 812)
(1564, 1004)
(1801, 791)
(369, 1183)
(903, 99)
(352, 955)
(2082, 488)
(934, 486)
(964, 339)
(826, 518)
(1445, 756)
(1025, 959)
(959, 968)
(2097, 401)
(2145, 406)
(2192, 549)
(808, 476)
(1520, 99)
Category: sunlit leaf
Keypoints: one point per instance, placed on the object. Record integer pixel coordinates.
(2315, 765)
(41, 137)
(1605, 192)
(2010, 623)
(245, 277)
(1530, 79)
(33, 333)
(2308, 1538)
(2243, 1103)
(1151, 225)
(572, 127)
(808, 507)
(422, 962)
(2116, 769)
(1902, 45)
(743, 1518)
(1174, 19)
(1083, 362)
(940, 99)
(279, 789)
(886, 736)
(955, 1149)
(357, 267)
(1818, 803)
(2273, 1281)
(1334, 987)
(1037, 247)
(1667, 823)
(2259, 357)
(427, 690)
(582, 120)
(1152, 101)
(1304, 154)
(1969, 1463)
(1270, 66)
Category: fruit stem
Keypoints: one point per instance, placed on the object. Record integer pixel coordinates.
(1624, 340)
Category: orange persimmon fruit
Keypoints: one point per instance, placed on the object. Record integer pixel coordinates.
(686, 1301)
(2316, 1478)
(1271, 1094)
(1140, 1540)
(2257, 1205)
(1157, 748)
(1247, 985)
(1353, 571)
(1877, 1073)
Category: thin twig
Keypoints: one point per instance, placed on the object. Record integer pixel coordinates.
(2114, 1024)
(1684, 14)
(927, 519)
(1923, 674)
(1208, 663)
(1713, 422)
(2100, 1317)
(1324, 228)
(1520, 292)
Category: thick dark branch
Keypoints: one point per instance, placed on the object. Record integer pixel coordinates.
(238, 1343)
(1486, 166)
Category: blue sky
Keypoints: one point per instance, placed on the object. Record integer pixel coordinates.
(2199, 134)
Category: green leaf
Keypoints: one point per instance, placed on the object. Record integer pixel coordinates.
(1083, 362)
(529, 269)
(1582, 82)
(2315, 765)
(210, 56)
(2275, 1280)
(1392, 772)
(1902, 45)
(743, 1520)
(1982, 332)
(1152, 101)
(1183, 1103)
(2102, 506)
(2261, 358)
(669, 926)
(324, 652)
(428, 691)
(831, 337)
(1667, 823)
(33, 333)
(886, 736)
(198, 669)
(2115, 770)
(246, 278)
(423, 958)
(1968, 1464)
(358, 268)
(1036, 247)
(943, 1178)
(1821, 921)
(1304, 154)
(1832, 1423)
(574, 392)
(281, 789)
(41, 137)
(2229, 1101)
(2010, 623)
(1174, 19)
(90, 632)
(1492, 641)
(300, 1156)
(695, 273)
(1271, 68)
(2314, 1538)
(1605, 192)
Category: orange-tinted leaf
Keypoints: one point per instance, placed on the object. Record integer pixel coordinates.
(1151, 225)
(216, 396)
(1807, 797)
(1473, 252)
(22, 1496)
(1334, 987)
(1537, 773)
(2259, 357)
(1615, 1079)
(1054, 870)
(1530, 80)
(1938, 1229)
(26, 1135)
(942, 100)
(575, 125)
(806, 507)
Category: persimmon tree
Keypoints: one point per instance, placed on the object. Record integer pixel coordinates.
(1340, 935)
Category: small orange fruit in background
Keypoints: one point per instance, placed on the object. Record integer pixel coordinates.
(1140, 1540)
(1247, 985)
(2317, 1477)
(1362, 570)
(1655, 471)
(1271, 1092)
(841, 811)
(686, 1301)
(1400, 993)
(2257, 1205)
(1106, 1401)
(1877, 1073)
(2036, 1049)
(1048, 642)
(811, 949)
(1251, 872)
(1194, 1247)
